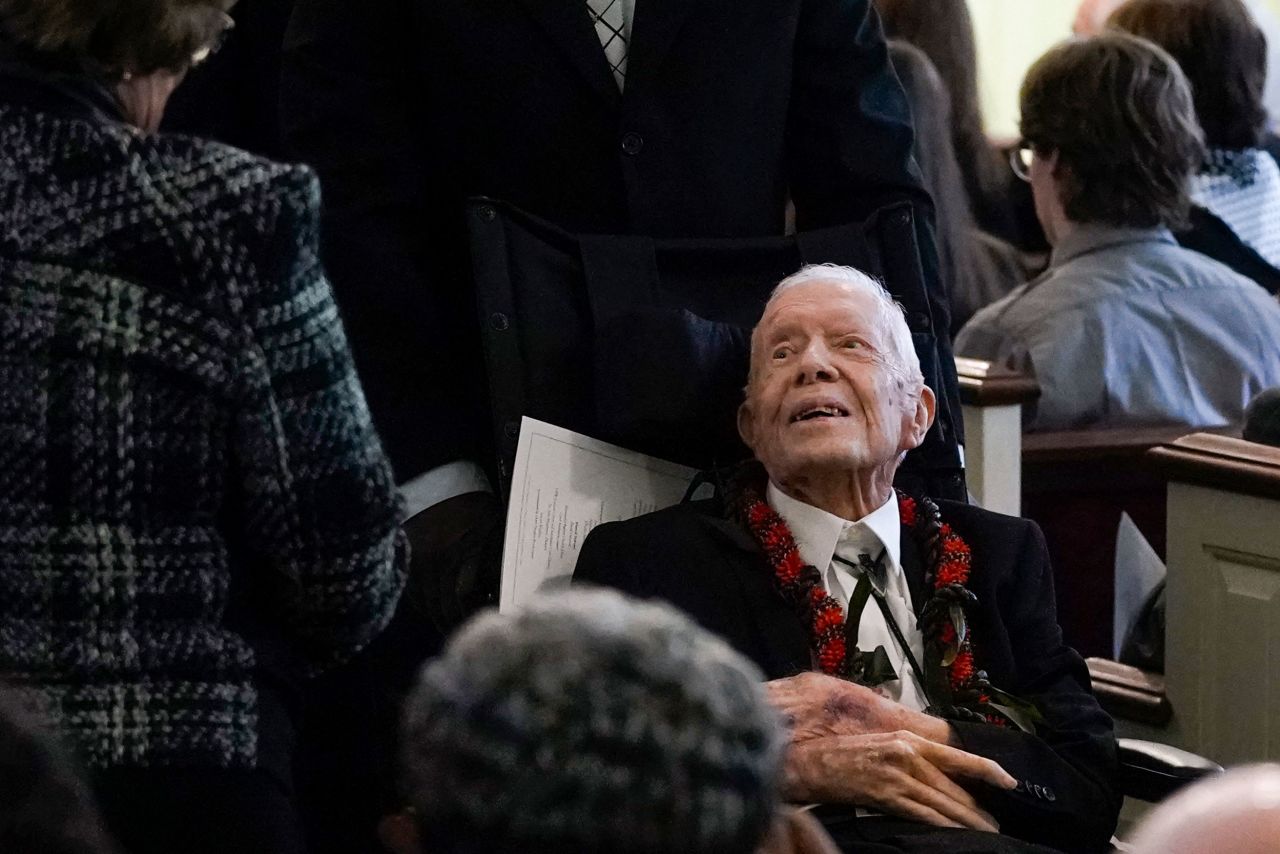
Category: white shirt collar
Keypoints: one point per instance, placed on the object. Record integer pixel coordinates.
(817, 532)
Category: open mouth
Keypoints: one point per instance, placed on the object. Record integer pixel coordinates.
(814, 413)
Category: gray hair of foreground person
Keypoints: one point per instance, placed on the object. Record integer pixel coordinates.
(1236, 812)
(589, 722)
(901, 360)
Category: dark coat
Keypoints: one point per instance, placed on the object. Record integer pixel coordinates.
(692, 557)
(407, 107)
(194, 505)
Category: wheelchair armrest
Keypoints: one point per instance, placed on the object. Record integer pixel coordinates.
(1151, 771)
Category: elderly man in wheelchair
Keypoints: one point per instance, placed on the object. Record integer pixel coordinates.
(913, 644)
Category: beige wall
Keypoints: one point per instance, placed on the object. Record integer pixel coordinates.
(1011, 34)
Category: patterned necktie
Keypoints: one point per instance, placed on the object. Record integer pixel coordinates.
(611, 27)
(866, 627)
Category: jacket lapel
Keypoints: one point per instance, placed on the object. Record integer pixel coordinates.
(568, 24)
(656, 24)
(913, 568)
(783, 643)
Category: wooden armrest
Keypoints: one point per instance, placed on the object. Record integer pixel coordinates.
(1221, 462)
(984, 384)
(1129, 693)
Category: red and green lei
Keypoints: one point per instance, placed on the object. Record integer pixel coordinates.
(954, 685)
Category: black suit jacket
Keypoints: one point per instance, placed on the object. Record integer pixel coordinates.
(407, 107)
(692, 557)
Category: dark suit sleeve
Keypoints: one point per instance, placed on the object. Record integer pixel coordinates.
(606, 560)
(351, 99)
(1066, 796)
(849, 133)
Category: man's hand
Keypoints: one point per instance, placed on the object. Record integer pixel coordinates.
(815, 705)
(898, 773)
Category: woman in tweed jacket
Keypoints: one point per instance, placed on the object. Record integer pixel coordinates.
(194, 508)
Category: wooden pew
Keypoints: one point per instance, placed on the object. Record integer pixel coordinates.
(1223, 620)
(1075, 484)
(991, 400)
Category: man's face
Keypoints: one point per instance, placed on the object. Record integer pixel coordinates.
(823, 398)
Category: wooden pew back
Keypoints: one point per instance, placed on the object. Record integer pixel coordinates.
(1223, 620)
(1075, 485)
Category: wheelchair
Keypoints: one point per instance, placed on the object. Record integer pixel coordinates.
(644, 343)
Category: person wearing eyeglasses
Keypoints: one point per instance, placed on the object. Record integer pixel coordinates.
(1126, 327)
(195, 511)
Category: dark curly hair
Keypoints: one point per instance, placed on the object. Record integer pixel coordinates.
(1118, 112)
(111, 37)
(1223, 53)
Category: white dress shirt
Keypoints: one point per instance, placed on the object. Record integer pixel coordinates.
(818, 534)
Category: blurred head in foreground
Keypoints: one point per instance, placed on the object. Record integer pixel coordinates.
(588, 722)
(1238, 812)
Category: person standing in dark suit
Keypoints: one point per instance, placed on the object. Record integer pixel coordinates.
(944, 700)
(658, 117)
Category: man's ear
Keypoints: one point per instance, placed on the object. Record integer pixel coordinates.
(746, 423)
(921, 419)
(1056, 167)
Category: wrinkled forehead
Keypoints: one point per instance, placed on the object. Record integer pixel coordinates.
(821, 305)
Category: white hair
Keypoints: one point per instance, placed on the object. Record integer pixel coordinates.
(901, 359)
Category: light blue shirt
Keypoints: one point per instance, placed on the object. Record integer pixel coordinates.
(1128, 328)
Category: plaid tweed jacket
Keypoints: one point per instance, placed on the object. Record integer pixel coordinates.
(191, 491)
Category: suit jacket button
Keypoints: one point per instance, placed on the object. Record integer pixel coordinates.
(632, 144)
(1049, 795)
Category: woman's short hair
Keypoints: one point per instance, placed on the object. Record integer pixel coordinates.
(1222, 51)
(1118, 112)
(589, 722)
(111, 37)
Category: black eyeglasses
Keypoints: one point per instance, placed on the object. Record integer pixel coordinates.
(202, 55)
(1020, 157)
